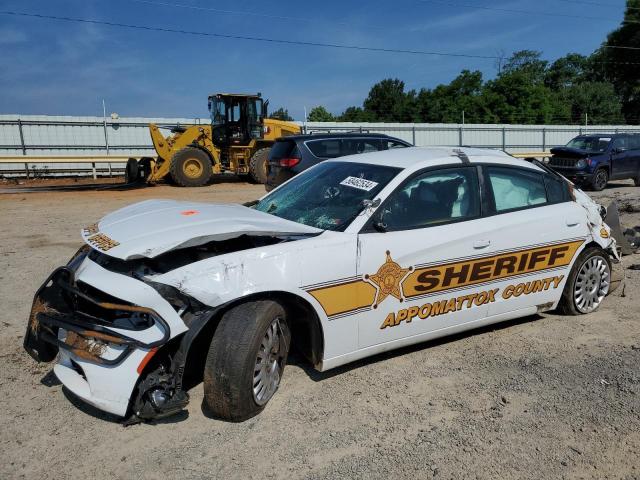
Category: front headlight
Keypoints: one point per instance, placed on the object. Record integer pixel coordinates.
(582, 163)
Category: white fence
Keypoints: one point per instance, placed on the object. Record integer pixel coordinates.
(61, 135)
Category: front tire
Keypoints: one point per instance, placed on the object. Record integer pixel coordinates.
(600, 179)
(246, 360)
(258, 165)
(191, 167)
(588, 283)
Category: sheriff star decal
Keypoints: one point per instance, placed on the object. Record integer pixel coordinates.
(388, 280)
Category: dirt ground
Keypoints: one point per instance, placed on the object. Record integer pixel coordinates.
(543, 397)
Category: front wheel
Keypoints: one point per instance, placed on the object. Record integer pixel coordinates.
(600, 179)
(258, 165)
(246, 360)
(191, 167)
(588, 282)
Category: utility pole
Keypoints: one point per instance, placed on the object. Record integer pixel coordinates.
(462, 117)
(586, 120)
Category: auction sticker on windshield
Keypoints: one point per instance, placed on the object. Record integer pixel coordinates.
(359, 183)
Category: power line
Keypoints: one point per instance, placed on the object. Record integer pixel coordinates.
(262, 39)
(526, 12)
(244, 37)
(280, 17)
(597, 4)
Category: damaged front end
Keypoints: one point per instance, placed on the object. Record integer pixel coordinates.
(103, 344)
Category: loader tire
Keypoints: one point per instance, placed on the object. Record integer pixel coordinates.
(258, 165)
(246, 360)
(191, 167)
(131, 171)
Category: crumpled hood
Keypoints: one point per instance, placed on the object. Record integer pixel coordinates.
(570, 152)
(153, 227)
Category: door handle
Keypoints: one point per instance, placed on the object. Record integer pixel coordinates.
(572, 222)
(481, 243)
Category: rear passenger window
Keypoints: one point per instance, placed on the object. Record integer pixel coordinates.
(516, 188)
(557, 189)
(354, 146)
(634, 142)
(325, 148)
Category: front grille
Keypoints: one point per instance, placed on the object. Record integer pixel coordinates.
(563, 162)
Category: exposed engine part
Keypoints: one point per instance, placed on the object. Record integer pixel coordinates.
(157, 398)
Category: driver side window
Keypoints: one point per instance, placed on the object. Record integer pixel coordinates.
(433, 198)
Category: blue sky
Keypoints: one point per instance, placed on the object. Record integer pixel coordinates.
(61, 68)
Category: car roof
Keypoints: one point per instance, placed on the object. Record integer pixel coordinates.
(598, 135)
(416, 158)
(324, 136)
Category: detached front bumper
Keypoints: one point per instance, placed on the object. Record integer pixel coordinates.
(91, 319)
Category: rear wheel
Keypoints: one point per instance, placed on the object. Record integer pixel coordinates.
(246, 360)
(258, 165)
(191, 167)
(636, 181)
(600, 179)
(588, 282)
(131, 171)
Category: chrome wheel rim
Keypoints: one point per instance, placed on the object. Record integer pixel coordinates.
(266, 374)
(591, 285)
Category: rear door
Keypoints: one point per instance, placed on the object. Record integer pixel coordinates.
(538, 230)
(622, 163)
(634, 153)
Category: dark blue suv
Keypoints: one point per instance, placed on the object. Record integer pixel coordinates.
(592, 160)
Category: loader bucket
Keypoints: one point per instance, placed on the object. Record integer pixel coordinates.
(613, 220)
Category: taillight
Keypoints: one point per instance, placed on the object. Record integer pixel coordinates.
(289, 162)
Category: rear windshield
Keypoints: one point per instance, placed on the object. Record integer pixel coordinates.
(590, 144)
(282, 149)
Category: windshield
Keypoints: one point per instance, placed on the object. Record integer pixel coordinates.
(590, 144)
(328, 196)
(217, 111)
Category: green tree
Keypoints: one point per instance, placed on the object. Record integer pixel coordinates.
(320, 114)
(621, 66)
(445, 103)
(598, 100)
(281, 114)
(388, 102)
(355, 114)
(566, 71)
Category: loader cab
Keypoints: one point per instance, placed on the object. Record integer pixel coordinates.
(236, 119)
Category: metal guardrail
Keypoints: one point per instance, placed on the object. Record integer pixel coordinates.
(57, 159)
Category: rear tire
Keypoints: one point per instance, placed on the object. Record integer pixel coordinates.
(588, 283)
(258, 165)
(191, 167)
(246, 360)
(600, 179)
(131, 171)
(636, 181)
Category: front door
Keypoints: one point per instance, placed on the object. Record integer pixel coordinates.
(430, 222)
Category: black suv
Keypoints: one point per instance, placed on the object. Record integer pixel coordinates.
(592, 160)
(293, 154)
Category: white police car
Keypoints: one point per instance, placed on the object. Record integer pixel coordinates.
(353, 257)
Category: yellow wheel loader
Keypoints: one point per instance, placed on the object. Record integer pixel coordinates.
(238, 140)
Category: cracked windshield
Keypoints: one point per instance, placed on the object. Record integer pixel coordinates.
(328, 196)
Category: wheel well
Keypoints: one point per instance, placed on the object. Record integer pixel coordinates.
(306, 332)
